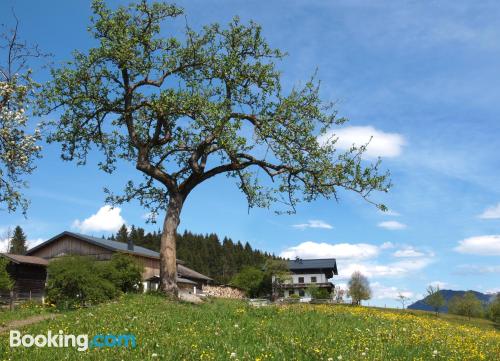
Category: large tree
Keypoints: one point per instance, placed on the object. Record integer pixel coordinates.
(18, 143)
(183, 109)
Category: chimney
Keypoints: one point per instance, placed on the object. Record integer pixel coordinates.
(130, 244)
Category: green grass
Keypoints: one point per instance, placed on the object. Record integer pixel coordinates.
(481, 323)
(232, 330)
(21, 312)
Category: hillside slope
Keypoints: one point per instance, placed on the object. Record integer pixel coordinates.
(221, 330)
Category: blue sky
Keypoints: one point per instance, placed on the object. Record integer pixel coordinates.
(422, 77)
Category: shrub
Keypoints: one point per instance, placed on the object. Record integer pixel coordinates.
(75, 281)
(6, 282)
(319, 293)
(249, 279)
(124, 272)
(279, 269)
(494, 310)
(466, 305)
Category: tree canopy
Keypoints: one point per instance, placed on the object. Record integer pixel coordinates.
(435, 298)
(249, 279)
(185, 108)
(220, 258)
(359, 288)
(18, 145)
(466, 305)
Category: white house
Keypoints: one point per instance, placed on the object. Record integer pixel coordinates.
(305, 273)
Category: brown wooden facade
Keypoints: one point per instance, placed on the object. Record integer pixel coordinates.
(68, 243)
(29, 275)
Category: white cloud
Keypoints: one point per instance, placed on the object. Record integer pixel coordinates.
(313, 223)
(439, 284)
(30, 243)
(34, 242)
(362, 257)
(391, 270)
(408, 252)
(491, 212)
(381, 291)
(392, 225)
(4, 245)
(106, 219)
(488, 245)
(381, 145)
(353, 251)
(474, 269)
(387, 245)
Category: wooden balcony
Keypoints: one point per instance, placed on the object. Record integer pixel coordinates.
(305, 285)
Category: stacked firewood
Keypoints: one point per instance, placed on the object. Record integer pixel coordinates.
(223, 292)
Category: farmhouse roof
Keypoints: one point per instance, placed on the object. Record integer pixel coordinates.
(189, 273)
(104, 243)
(179, 280)
(17, 258)
(299, 264)
(122, 247)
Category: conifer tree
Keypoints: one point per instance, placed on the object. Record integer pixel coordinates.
(18, 242)
(122, 235)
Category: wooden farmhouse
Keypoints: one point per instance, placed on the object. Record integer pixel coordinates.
(29, 271)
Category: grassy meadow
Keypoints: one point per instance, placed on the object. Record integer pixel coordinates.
(22, 312)
(232, 330)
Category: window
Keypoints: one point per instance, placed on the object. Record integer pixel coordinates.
(291, 292)
(301, 279)
(302, 293)
(313, 280)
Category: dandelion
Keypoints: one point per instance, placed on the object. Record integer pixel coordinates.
(339, 357)
(233, 355)
(154, 355)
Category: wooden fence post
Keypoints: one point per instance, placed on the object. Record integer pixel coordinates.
(11, 304)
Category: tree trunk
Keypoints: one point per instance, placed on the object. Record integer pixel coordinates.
(168, 253)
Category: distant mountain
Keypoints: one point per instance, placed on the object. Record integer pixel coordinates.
(485, 298)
